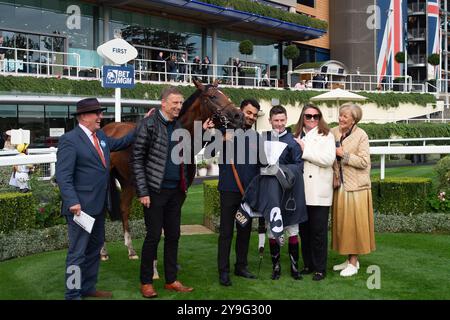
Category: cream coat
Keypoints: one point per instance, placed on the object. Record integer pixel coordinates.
(356, 160)
(319, 154)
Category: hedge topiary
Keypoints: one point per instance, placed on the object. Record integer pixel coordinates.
(291, 52)
(401, 196)
(434, 59)
(246, 47)
(17, 211)
(400, 57)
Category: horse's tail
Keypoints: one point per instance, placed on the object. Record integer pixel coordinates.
(115, 213)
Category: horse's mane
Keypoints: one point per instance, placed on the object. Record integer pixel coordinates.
(189, 101)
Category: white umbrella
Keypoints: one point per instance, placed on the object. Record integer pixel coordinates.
(338, 95)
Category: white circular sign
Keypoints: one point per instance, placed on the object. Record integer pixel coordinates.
(118, 51)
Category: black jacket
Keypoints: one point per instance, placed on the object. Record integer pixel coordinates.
(150, 154)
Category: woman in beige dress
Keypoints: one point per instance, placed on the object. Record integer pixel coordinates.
(353, 227)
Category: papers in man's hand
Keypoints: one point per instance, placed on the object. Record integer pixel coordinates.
(273, 150)
(85, 221)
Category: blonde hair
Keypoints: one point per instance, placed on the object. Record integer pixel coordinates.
(355, 110)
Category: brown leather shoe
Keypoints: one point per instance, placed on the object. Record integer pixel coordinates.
(99, 294)
(148, 291)
(177, 286)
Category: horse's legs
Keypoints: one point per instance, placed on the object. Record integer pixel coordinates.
(104, 253)
(125, 204)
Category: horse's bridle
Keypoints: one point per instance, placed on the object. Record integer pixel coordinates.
(217, 110)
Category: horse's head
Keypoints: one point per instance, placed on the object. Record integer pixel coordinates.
(220, 108)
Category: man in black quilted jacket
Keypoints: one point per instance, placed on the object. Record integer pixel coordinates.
(161, 188)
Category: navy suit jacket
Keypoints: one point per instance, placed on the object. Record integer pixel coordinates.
(80, 174)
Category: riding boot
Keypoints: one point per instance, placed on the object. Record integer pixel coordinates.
(275, 253)
(293, 256)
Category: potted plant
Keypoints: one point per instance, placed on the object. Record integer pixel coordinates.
(202, 168)
(213, 167)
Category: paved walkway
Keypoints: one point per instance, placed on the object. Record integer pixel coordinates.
(194, 229)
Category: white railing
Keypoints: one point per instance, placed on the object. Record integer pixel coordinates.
(391, 150)
(355, 82)
(44, 158)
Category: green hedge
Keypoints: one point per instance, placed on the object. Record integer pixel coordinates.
(404, 130)
(19, 244)
(152, 92)
(391, 197)
(267, 11)
(401, 196)
(211, 205)
(17, 211)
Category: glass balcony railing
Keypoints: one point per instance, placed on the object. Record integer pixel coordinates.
(416, 8)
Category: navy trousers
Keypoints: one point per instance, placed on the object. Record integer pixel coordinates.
(83, 257)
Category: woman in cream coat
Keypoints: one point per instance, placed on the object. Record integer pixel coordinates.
(319, 152)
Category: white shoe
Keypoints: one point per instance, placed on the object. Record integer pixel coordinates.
(351, 270)
(344, 265)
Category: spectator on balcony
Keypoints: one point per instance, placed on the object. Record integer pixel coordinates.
(196, 66)
(265, 82)
(205, 69)
(237, 70)
(2, 55)
(160, 67)
(172, 68)
(182, 68)
(300, 85)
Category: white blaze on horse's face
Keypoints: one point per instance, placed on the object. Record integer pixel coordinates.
(171, 106)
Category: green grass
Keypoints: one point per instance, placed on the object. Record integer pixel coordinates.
(410, 171)
(192, 211)
(413, 266)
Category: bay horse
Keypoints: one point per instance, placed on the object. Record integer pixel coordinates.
(207, 102)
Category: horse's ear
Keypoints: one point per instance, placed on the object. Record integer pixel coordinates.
(199, 85)
(216, 83)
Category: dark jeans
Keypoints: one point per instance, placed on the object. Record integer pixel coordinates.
(314, 238)
(164, 213)
(229, 203)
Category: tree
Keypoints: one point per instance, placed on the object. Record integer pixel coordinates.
(291, 52)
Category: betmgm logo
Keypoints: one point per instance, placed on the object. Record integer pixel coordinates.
(111, 76)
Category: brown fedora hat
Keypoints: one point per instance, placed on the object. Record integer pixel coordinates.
(88, 105)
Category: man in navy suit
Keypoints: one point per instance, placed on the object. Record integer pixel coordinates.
(82, 174)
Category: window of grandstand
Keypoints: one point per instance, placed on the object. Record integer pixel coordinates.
(309, 3)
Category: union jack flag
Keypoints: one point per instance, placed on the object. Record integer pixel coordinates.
(391, 39)
(433, 43)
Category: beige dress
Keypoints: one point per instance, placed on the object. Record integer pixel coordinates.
(353, 223)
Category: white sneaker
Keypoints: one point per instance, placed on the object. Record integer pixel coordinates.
(344, 265)
(351, 270)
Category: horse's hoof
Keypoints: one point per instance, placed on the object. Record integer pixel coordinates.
(104, 258)
(155, 276)
(133, 257)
